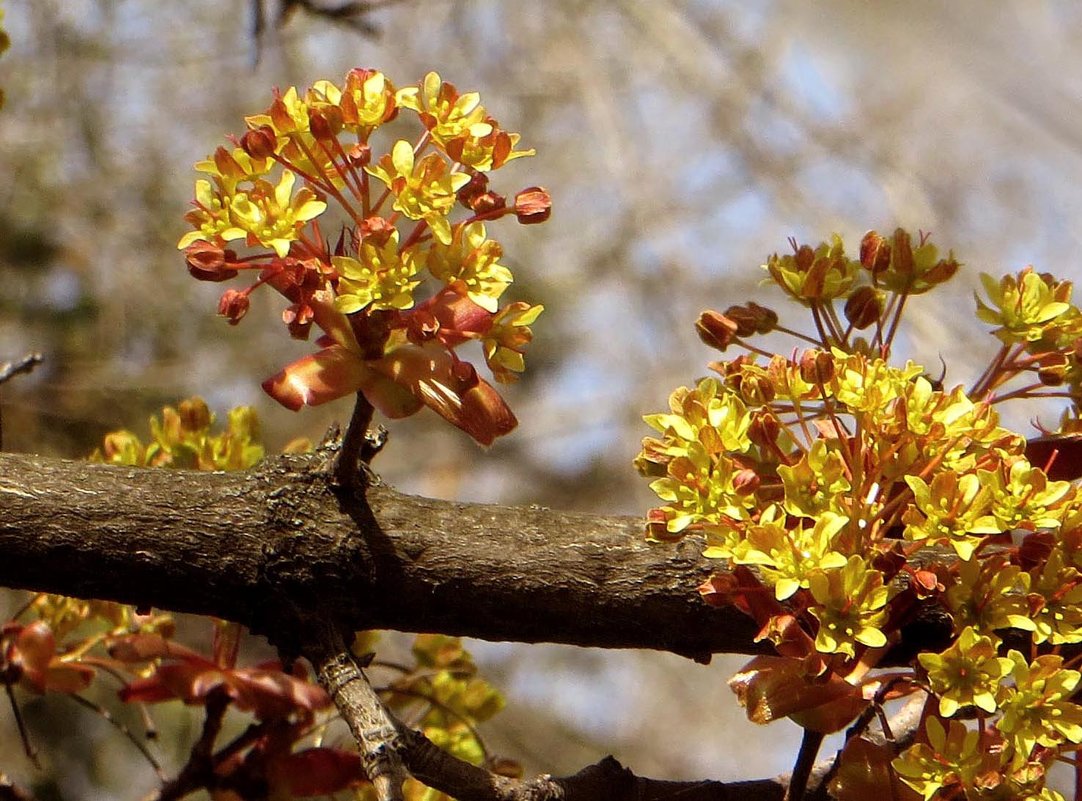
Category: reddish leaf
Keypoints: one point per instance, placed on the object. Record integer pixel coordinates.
(865, 773)
(773, 687)
(326, 375)
(33, 652)
(317, 771)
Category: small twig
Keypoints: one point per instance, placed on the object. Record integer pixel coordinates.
(198, 772)
(123, 729)
(376, 732)
(805, 761)
(349, 467)
(20, 724)
(9, 370)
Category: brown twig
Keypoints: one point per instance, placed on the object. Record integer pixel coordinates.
(376, 732)
(350, 466)
(9, 370)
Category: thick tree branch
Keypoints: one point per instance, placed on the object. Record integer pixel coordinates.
(257, 545)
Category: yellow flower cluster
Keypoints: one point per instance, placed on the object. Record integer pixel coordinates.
(411, 276)
(820, 476)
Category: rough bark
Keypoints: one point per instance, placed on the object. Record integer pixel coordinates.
(255, 546)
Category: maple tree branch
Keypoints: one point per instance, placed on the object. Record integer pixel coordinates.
(374, 729)
(259, 546)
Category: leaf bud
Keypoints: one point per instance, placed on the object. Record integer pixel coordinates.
(716, 330)
(874, 253)
(864, 307)
(533, 205)
(209, 262)
(816, 366)
(259, 143)
(234, 305)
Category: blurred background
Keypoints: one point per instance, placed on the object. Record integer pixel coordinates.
(682, 142)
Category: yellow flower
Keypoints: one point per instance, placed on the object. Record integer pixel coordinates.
(424, 190)
(849, 607)
(472, 262)
(967, 673)
(505, 340)
(272, 216)
(1023, 306)
(788, 557)
(444, 112)
(380, 278)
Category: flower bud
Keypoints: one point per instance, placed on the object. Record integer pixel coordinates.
(209, 262)
(746, 482)
(716, 330)
(533, 205)
(234, 305)
(325, 123)
(764, 430)
(360, 155)
(874, 253)
(816, 366)
(751, 318)
(465, 375)
(376, 229)
(194, 414)
(864, 307)
(1052, 369)
(422, 326)
(259, 143)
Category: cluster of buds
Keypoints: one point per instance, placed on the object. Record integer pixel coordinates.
(406, 280)
(820, 474)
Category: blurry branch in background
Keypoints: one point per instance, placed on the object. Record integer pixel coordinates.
(9, 370)
(353, 15)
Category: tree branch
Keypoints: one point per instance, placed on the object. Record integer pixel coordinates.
(257, 546)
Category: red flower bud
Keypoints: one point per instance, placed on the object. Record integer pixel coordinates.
(209, 262)
(863, 307)
(716, 329)
(816, 366)
(746, 482)
(325, 123)
(375, 229)
(194, 414)
(874, 253)
(360, 155)
(259, 143)
(234, 305)
(533, 205)
(422, 326)
(751, 318)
